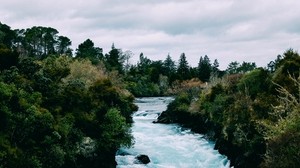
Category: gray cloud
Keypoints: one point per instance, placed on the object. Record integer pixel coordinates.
(226, 30)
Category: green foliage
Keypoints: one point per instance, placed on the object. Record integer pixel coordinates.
(115, 131)
(225, 112)
(283, 142)
(235, 67)
(8, 58)
(63, 46)
(204, 69)
(114, 60)
(146, 79)
(177, 109)
(254, 120)
(183, 71)
(6, 36)
(169, 68)
(288, 65)
(282, 132)
(49, 107)
(88, 51)
(254, 82)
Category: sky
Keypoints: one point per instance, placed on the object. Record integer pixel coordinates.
(226, 30)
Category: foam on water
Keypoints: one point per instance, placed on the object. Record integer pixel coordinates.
(167, 145)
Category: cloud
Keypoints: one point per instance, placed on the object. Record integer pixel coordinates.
(226, 30)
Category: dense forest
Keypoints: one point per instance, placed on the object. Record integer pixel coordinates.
(65, 108)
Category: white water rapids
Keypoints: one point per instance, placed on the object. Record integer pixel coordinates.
(167, 145)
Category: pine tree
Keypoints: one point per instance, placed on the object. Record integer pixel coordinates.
(204, 69)
(115, 59)
(183, 70)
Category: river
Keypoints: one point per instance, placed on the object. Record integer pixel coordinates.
(167, 145)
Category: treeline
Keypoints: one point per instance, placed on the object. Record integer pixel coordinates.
(253, 117)
(145, 78)
(57, 110)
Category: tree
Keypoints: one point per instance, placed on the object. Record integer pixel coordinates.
(288, 65)
(50, 40)
(183, 72)
(127, 55)
(255, 82)
(156, 69)
(114, 60)
(143, 64)
(7, 36)
(204, 69)
(246, 67)
(8, 57)
(215, 66)
(115, 130)
(40, 41)
(169, 67)
(233, 67)
(63, 46)
(87, 50)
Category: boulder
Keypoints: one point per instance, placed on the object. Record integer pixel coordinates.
(163, 118)
(142, 159)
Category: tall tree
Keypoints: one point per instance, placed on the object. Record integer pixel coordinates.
(115, 59)
(143, 64)
(8, 56)
(233, 67)
(63, 45)
(7, 36)
(204, 69)
(169, 65)
(183, 70)
(89, 51)
(127, 55)
(169, 68)
(50, 40)
(215, 66)
(40, 41)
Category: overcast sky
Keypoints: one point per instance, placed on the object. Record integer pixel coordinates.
(227, 30)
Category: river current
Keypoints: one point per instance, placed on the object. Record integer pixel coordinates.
(167, 145)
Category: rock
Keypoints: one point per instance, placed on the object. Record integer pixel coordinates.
(163, 118)
(143, 159)
(122, 152)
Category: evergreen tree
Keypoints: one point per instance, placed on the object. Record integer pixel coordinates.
(115, 59)
(169, 67)
(215, 66)
(87, 50)
(183, 70)
(204, 69)
(233, 67)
